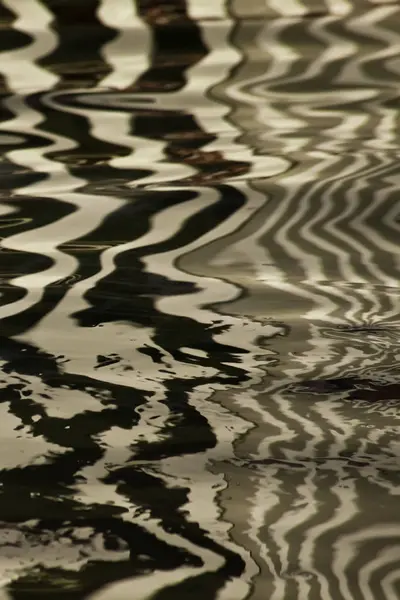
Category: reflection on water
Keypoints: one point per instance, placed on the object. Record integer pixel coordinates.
(199, 307)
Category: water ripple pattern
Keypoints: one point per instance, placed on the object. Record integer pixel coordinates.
(200, 300)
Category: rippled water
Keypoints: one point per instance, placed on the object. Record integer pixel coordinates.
(200, 305)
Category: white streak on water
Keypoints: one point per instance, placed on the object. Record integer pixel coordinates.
(128, 53)
(19, 66)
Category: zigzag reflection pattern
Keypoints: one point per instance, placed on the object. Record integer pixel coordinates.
(200, 299)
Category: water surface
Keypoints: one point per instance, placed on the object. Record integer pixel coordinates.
(199, 215)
